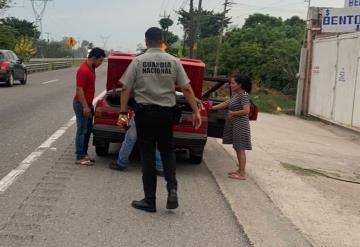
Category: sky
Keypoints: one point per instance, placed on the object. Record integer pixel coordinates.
(122, 23)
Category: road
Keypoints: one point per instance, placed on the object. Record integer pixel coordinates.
(56, 203)
(31, 113)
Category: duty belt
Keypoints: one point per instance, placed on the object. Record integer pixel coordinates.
(155, 107)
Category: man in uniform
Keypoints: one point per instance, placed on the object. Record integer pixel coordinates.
(153, 77)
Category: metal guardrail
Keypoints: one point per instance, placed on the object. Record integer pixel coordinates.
(45, 64)
(37, 67)
(61, 65)
(32, 68)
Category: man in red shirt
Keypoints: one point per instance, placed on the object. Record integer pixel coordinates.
(83, 108)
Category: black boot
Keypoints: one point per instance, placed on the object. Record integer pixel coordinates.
(115, 166)
(144, 205)
(172, 200)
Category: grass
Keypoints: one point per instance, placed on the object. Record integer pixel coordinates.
(267, 100)
(272, 101)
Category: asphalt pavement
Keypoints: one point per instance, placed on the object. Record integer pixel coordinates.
(30, 113)
(57, 203)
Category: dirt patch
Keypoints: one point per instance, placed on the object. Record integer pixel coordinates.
(301, 171)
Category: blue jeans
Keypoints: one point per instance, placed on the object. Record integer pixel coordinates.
(84, 128)
(128, 145)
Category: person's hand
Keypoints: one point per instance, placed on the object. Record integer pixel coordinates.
(113, 92)
(123, 121)
(196, 119)
(231, 114)
(199, 104)
(86, 112)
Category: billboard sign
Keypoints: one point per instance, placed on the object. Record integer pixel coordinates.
(352, 3)
(340, 20)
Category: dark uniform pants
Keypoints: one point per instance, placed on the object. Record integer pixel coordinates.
(154, 125)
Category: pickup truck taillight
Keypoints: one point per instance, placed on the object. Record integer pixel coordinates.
(186, 120)
(4, 65)
(104, 110)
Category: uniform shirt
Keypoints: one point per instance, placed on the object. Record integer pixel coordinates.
(85, 79)
(153, 76)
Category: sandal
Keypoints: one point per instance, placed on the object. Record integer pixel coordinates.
(237, 176)
(84, 162)
(89, 158)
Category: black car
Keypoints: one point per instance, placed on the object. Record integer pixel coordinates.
(12, 68)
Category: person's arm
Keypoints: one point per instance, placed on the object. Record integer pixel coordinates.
(190, 98)
(127, 80)
(80, 83)
(243, 112)
(124, 99)
(245, 103)
(221, 106)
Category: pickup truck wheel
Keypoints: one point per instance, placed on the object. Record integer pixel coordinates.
(195, 159)
(102, 150)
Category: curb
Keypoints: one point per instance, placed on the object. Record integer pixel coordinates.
(262, 222)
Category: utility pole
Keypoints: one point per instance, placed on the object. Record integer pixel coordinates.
(300, 93)
(39, 7)
(307, 21)
(313, 27)
(226, 4)
(198, 27)
(192, 31)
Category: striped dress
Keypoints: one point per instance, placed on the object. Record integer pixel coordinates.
(237, 129)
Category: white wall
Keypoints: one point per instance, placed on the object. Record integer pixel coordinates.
(335, 81)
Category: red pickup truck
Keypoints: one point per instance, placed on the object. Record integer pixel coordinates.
(107, 110)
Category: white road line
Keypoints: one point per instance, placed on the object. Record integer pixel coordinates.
(47, 82)
(10, 178)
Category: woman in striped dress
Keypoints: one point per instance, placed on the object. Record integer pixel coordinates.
(237, 127)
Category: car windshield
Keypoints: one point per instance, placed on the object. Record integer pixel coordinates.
(2, 56)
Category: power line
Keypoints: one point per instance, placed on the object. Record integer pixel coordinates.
(267, 8)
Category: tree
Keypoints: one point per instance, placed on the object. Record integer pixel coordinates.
(53, 49)
(4, 4)
(165, 23)
(206, 52)
(24, 48)
(172, 39)
(7, 37)
(140, 48)
(22, 27)
(85, 44)
(266, 48)
(210, 24)
(262, 20)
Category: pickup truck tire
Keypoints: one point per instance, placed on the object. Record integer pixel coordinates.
(102, 150)
(195, 159)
